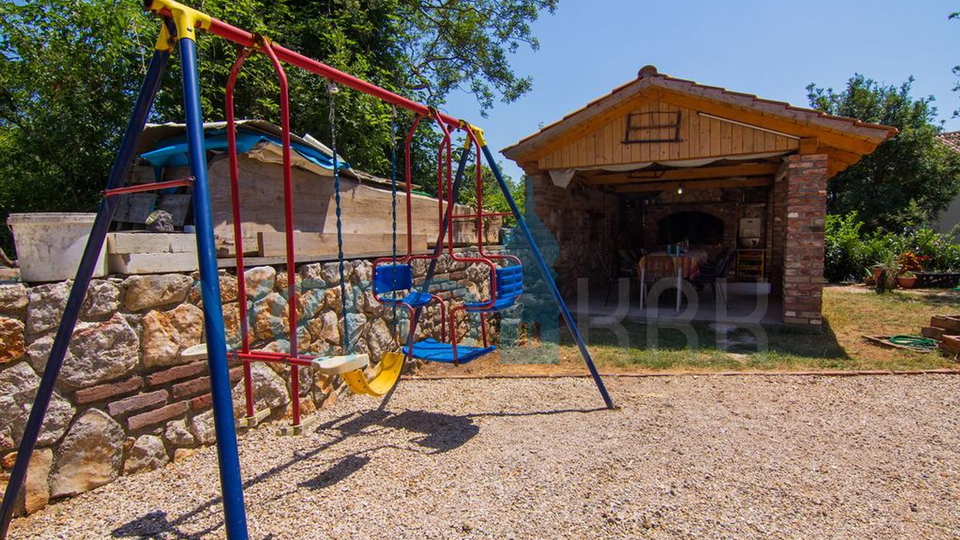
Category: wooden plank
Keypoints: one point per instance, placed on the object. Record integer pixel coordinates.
(948, 324)
(950, 344)
(697, 184)
(692, 173)
(883, 342)
(932, 332)
(273, 244)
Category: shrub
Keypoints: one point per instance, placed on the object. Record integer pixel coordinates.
(849, 252)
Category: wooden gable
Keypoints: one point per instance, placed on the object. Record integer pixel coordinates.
(661, 131)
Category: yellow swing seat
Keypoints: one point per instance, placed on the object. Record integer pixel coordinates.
(350, 368)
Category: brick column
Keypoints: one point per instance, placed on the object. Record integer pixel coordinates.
(804, 187)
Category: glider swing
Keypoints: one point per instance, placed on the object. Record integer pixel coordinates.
(394, 285)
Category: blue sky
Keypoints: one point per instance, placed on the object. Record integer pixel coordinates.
(770, 48)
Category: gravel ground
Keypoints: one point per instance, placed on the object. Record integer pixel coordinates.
(685, 457)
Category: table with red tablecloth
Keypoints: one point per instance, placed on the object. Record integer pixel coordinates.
(659, 265)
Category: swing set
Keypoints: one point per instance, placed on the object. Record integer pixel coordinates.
(393, 277)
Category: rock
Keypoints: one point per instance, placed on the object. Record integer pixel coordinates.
(36, 488)
(281, 283)
(356, 323)
(379, 339)
(177, 434)
(13, 300)
(98, 352)
(269, 391)
(228, 289)
(259, 281)
(102, 300)
(45, 306)
(147, 454)
(203, 428)
(167, 333)
(18, 387)
(332, 299)
(270, 317)
(362, 271)
(90, 455)
(325, 328)
(145, 292)
(330, 272)
(309, 303)
(181, 454)
(11, 340)
(231, 325)
(311, 277)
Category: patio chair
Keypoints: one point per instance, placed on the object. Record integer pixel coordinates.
(710, 275)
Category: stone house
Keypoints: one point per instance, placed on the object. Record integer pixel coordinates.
(661, 159)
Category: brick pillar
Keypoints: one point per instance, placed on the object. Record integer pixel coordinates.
(804, 187)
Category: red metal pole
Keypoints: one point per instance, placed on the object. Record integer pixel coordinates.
(288, 224)
(181, 182)
(238, 227)
(246, 39)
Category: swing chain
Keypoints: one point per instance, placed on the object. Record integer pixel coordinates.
(332, 89)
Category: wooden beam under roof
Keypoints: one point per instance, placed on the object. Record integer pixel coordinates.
(692, 173)
(673, 185)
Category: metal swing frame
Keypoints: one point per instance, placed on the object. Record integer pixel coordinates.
(178, 30)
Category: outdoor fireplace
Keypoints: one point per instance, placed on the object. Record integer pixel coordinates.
(701, 228)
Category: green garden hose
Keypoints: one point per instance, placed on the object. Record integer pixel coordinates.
(919, 343)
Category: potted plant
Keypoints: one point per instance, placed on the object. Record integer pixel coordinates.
(907, 280)
(886, 271)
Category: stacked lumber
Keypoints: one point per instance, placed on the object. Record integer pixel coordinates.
(946, 330)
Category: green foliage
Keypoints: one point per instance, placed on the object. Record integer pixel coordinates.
(850, 251)
(70, 70)
(910, 179)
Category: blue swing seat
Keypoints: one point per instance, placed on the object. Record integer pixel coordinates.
(392, 278)
(434, 351)
(509, 289)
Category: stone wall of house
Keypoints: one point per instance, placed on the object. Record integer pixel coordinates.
(127, 400)
(584, 223)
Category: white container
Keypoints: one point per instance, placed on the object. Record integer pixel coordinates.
(49, 245)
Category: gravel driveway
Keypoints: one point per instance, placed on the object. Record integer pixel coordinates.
(685, 457)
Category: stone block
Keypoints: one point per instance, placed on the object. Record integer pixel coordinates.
(167, 333)
(146, 292)
(13, 301)
(157, 416)
(107, 391)
(139, 402)
(176, 373)
(90, 455)
(12, 345)
(45, 306)
(102, 300)
(147, 454)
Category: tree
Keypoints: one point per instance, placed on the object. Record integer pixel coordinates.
(70, 69)
(908, 180)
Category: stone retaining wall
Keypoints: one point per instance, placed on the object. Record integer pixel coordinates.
(128, 401)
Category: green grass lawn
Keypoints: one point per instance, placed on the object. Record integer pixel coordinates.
(849, 314)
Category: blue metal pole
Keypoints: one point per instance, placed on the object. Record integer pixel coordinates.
(567, 317)
(235, 519)
(91, 254)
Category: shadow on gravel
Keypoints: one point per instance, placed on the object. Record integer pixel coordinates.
(434, 432)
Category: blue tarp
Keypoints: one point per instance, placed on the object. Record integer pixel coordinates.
(172, 152)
